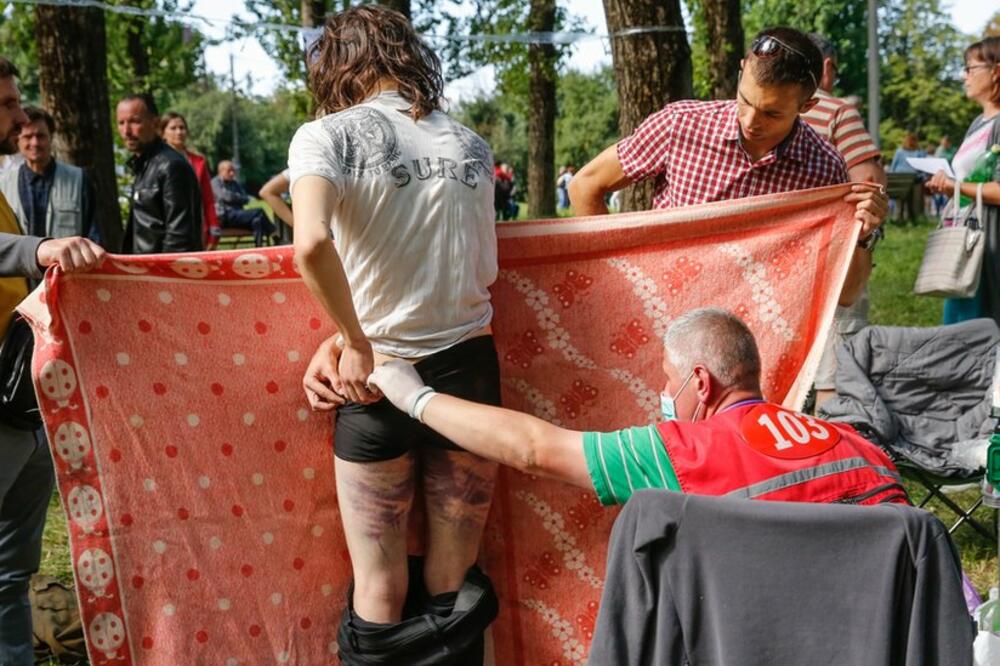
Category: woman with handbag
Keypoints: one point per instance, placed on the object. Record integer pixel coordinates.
(982, 84)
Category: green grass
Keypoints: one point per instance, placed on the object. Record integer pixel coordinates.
(893, 303)
(55, 544)
(897, 259)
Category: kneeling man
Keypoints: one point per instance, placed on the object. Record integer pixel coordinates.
(718, 436)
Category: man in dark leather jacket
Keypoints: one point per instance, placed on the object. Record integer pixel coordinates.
(165, 208)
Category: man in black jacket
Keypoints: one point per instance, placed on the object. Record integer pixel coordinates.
(165, 206)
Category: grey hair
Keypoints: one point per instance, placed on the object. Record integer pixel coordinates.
(825, 46)
(718, 340)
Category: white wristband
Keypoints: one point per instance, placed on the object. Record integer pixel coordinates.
(420, 402)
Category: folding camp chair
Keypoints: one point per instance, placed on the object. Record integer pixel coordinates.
(934, 485)
(914, 392)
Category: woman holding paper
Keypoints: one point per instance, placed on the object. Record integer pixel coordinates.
(982, 84)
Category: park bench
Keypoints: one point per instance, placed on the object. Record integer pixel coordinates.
(233, 238)
(908, 193)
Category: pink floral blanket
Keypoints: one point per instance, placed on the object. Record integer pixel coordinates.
(199, 486)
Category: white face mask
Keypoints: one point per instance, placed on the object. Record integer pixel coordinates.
(668, 406)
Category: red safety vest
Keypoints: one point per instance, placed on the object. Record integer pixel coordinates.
(763, 451)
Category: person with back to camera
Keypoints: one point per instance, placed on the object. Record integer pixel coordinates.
(407, 194)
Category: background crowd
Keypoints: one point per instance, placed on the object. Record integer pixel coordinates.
(172, 202)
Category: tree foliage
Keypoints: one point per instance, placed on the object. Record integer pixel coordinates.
(17, 35)
(921, 73)
(266, 126)
(287, 47)
(173, 51)
(170, 52)
(844, 22)
(508, 59)
(586, 122)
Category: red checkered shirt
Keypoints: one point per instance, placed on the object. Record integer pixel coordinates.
(693, 151)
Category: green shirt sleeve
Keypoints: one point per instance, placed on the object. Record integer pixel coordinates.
(624, 461)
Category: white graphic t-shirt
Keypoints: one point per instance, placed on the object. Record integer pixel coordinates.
(413, 220)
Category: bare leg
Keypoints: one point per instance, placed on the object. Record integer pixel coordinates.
(375, 501)
(458, 489)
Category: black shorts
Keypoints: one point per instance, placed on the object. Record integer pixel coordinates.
(379, 431)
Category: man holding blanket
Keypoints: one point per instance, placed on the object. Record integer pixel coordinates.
(25, 462)
(698, 152)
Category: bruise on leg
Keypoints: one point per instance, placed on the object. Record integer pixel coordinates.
(458, 488)
(375, 501)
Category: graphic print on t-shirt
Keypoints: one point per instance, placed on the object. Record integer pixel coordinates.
(364, 141)
(474, 148)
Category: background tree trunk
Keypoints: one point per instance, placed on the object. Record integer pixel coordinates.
(651, 68)
(135, 28)
(401, 6)
(724, 31)
(72, 72)
(313, 13)
(542, 119)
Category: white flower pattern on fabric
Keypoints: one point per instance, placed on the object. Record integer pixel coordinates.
(644, 287)
(565, 543)
(558, 338)
(562, 631)
(542, 407)
(548, 319)
(762, 293)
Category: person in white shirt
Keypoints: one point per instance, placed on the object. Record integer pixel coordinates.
(407, 194)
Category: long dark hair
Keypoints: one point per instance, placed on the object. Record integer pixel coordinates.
(987, 50)
(366, 43)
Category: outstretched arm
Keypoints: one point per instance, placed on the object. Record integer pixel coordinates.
(512, 438)
(600, 176)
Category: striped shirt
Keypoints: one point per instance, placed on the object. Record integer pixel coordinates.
(840, 123)
(624, 461)
(693, 153)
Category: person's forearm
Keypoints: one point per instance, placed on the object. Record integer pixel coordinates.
(869, 171)
(857, 277)
(991, 192)
(19, 256)
(318, 260)
(502, 435)
(278, 206)
(585, 198)
(323, 273)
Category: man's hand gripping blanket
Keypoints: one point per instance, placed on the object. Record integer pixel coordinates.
(199, 486)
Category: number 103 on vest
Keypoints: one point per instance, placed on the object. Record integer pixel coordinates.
(782, 433)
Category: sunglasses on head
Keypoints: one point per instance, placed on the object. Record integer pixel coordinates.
(768, 46)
